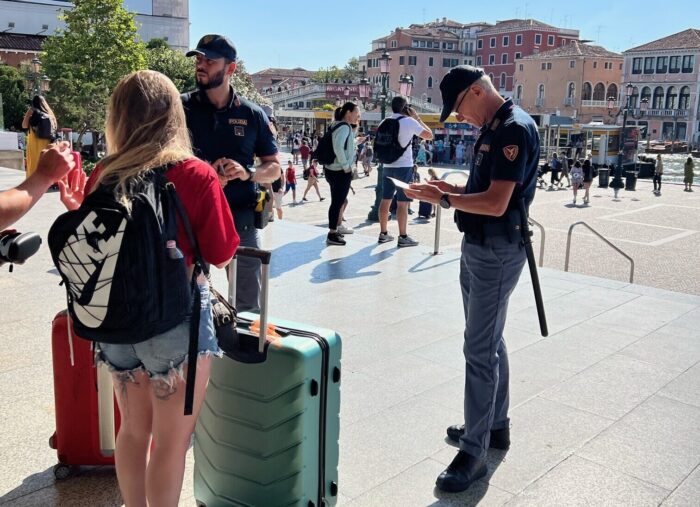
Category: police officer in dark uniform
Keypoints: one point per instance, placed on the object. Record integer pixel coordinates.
(487, 211)
(228, 131)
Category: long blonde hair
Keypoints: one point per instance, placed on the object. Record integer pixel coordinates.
(145, 128)
(39, 103)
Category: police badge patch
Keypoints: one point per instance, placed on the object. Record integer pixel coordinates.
(511, 152)
(239, 131)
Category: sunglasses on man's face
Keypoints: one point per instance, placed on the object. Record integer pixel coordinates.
(466, 92)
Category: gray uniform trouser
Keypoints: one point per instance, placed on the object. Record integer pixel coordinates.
(248, 271)
(488, 275)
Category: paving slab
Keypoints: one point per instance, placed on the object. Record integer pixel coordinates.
(687, 493)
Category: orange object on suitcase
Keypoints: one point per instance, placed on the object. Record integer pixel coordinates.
(87, 416)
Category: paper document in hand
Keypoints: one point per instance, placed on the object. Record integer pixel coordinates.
(399, 183)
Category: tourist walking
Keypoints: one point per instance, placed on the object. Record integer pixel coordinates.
(555, 167)
(277, 188)
(339, 173)
(290, 177)
(564, 170)
(296, 146)
(587, 180)
(688, 174)
(305, 152)
(40, 122)
(313, 181)
(577, 179)
(658, 173)
(367, 158)
(459, 153)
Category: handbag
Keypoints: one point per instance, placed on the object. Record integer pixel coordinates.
(224, 318)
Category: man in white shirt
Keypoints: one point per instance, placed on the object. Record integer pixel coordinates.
(410, 125)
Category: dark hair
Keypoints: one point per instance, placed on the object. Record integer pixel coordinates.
(340, 112)
(398, 104)
(586, 163)
(577, 164)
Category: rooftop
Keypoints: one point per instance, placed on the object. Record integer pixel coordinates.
(21, 42)
(525, 24)
(295, 72)
(574, 50)
(687, 39)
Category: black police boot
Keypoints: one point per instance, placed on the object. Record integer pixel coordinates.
(464, 470)
(500, 439)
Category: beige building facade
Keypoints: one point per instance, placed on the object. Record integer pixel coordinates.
(575, 81)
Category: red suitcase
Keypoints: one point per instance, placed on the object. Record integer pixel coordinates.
(86, 411)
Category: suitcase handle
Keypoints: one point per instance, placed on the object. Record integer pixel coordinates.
(264, 256)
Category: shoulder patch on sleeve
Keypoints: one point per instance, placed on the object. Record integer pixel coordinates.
(511, 152)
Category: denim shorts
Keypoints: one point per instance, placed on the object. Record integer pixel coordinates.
(163, 356)
(388, 188)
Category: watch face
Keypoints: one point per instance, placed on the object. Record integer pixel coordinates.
(445, 201)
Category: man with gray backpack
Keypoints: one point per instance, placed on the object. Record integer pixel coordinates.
(392, 147)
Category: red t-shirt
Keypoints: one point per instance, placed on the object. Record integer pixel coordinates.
(207, 209)
(291, 175)
(305, 151)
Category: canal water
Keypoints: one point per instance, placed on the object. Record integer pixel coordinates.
(673, 167)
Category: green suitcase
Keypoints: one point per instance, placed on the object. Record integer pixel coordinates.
(268, 431)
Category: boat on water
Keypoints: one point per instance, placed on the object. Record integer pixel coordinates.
(667, 147)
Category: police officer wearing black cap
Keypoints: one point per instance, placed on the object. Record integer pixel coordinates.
(487, 211)
(229, 131)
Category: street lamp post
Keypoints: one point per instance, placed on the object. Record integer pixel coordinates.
(616, 183)
(384, 66)
(37, 83)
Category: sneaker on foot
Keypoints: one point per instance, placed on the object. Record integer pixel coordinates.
(344, 230)
(304, 199)
(406, 241)
(322, 199)
(334, 238)
(385, 237)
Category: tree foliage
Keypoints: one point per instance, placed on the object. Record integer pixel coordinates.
(99, 46)
(172, 63)
(14, 96)
(331, 74)
(243, 84)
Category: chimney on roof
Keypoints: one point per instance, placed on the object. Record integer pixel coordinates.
(444, 20)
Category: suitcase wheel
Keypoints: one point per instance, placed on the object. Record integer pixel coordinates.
(61, 471)
(52, 441)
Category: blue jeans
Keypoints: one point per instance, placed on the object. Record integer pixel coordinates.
(488, 275)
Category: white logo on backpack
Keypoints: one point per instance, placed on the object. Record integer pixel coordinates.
(89, 260)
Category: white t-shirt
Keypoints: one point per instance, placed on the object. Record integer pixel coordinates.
(408, 128)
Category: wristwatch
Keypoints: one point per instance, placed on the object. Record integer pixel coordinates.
(445, 201)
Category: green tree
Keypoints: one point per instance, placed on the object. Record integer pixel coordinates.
(85, 61)
(243, 84)
(328, 75)
(352, 69)
(14, 96)
(173, 64)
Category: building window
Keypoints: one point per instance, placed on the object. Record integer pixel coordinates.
(492, 59)
(543, 66)
(478, 61)
(520, 67)
(634, 98)
(519, 39)
(620, 66)
(550, 40)
(587, 91)
(599, 92)
(430, 61)
(402, 60)
(684, 99)
(412, 60)
(563, 42)
(448, 45)
(572, 64)
(538, 39)
(492, 42)
(504, 58)
(491, 78)
(480, 44)
(661, 64)
(658, 101)
(549, 65)
(503, 79)
(506, 41)
(430, 82)
(595, 65)
(636, 65)
(671, 97)
(612, 91)
(649, 65)
(518, 55)
(421, 44)
(674, 64)
(571, 91)
(519, 92)
(393, 44)
(450, 62)
(540, 92)
(414, 43)
(688, 64)
(646, 94)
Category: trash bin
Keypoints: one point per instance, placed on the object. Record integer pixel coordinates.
(631, 180)
(603, 177)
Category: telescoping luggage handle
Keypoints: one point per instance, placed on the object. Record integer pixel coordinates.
(264, 256)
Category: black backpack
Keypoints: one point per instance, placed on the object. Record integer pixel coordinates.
(126, 280)
(324, 152)
(387, 148)
(44, 130)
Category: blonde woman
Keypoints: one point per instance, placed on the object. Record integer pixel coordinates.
(41, 123)
(146, 130)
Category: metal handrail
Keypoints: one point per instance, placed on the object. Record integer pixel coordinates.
(568, 248)
(541, 228)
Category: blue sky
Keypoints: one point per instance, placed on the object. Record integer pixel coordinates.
(313, 34)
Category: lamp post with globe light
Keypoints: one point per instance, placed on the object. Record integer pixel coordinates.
(36, 82)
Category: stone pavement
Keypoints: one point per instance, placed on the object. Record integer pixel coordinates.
(604, 411)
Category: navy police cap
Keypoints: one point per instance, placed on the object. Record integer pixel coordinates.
(455, 82)
(214, 47)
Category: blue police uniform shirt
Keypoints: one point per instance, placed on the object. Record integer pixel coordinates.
(239, 131)
(507, 149)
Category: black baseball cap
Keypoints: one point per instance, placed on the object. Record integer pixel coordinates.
(455, 82)
(214, 47)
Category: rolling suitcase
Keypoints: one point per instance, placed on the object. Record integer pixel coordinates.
(267, 434)
(425, 209)
(86, 411)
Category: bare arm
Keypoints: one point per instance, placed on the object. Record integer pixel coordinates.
(25, 120)
(427, 132)
(269, 170)
(492, 202)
